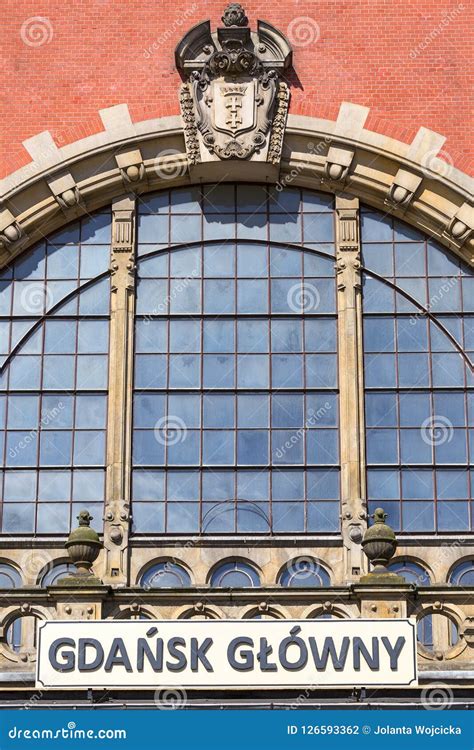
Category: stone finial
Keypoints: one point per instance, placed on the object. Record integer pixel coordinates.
(379, 545)
(234, 15)
(83, 546)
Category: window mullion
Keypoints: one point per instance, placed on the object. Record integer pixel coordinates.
(351, 386)
(119, 428)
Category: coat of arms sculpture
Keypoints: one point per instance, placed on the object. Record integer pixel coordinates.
(233, 102)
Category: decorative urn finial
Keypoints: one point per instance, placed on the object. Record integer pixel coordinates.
(379, 545)
(234, 15)
(83, 546)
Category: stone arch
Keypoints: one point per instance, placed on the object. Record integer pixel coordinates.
(410, 181)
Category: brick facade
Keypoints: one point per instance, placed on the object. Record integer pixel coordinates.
(406, 60)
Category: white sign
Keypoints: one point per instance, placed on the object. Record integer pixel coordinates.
(226, 653)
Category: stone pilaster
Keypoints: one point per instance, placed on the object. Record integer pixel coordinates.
(354, 513)
(117, 510)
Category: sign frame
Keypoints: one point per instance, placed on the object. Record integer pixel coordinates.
(288, 624)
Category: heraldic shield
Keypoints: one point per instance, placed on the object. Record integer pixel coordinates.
(233, 103)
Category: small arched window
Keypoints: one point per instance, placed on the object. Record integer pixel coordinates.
(10, 578)
(166, 575)
(463, 574)
(235, 574)
(304, 572)
(53, 575)
(411, 572)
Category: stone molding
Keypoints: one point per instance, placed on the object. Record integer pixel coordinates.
(407, 180)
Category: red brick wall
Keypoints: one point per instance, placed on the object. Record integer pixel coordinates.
(90, 54)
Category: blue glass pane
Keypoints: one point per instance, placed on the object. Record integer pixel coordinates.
(218, 371)
(383, 485)
(252, 296)
(417, 484)
(322, 484)
(253, 411)
(148, 518)
(287, 410)
(286, 335)
(321, 371)
(381, 410)
(183, 518)
(322, 446)
(321, 410)
(219, 296)
(415, 409)
(410, 259)
(218, 410)
(219, 260)
(148, 485)
(323, 517)
(185, 336)
(183, 447)
(218, 336)
(56, 448)
(148, 409)
(252, 447)
(418, 516)
(320, 335)
(287, 371)
(252, 336)
(218, 485)
(288, 517)
(252, 261)
(18, 518)
(382, 446)
(252, 371)
(416, 446)
(218, 447)
(150, 371)
(378, 258)
(379, 335)
(453, 516)
(184, 371)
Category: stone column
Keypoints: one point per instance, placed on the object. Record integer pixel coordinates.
(117, 509)
(351, 399)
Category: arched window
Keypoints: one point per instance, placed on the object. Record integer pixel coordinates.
(418, 303)
(463, 574)
(53, 575)
(165, 575)
(236, 405)
(412, 572)
(10, 578)
(303, 572)
(54, 342)
(235, 574)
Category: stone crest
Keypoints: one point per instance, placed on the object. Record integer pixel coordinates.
(233, 102)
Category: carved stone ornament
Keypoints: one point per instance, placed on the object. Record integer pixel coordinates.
(233, 104)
